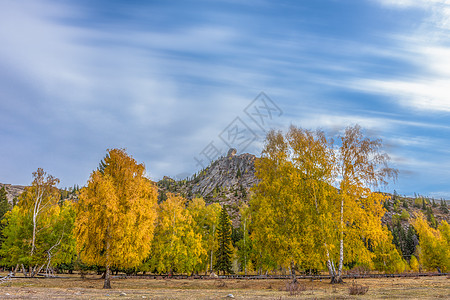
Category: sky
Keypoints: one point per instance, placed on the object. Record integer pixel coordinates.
(177, 83)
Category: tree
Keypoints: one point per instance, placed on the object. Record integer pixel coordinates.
(294, 172)
(411, 242)
(360, 166)
(4, 208)
(245, 243)
(38, 231)
(206, 219)
(387, 257)
(4, 204)
(224, 250)
(443, 207)
(414, 264)
(116, 213)
(434, 244)
(177, 247)
(298, 173)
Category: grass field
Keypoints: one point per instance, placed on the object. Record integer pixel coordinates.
(73, 287)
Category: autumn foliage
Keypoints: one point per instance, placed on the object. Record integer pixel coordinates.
(315, 208)
(116, 214)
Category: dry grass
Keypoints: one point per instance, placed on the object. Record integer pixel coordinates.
(74, 287)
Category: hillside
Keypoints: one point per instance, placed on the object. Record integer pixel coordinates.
(227, 181)
(12, 191)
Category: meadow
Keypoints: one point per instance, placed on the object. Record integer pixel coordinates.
(74, 287)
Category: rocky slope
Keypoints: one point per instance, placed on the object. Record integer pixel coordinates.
(227, 181)
(12, 191)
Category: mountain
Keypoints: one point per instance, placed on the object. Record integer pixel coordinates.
(12, 191)
(227, 181)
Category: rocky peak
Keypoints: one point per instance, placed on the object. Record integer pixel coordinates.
(227, 181)
(12, 191)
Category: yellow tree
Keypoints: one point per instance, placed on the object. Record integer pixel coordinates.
(38, 230)
(244, 245)
(177, 247)
(314, 198)
(361, 165)
(206, 219)
(116, 213)
(386, 257)
(290, 195)
(434, 244)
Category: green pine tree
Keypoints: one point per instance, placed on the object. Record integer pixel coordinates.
(4, 208)
(411, 242)
(444, 208)
(224, 250)
(4, 204)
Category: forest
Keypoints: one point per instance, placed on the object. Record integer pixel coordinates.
(317, 208)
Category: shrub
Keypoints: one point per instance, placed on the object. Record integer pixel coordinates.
(418, 202)
(357, 289)
(294, 288)
(404, 216)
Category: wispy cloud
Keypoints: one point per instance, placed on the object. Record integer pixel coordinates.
(163, 80)
(427, 49)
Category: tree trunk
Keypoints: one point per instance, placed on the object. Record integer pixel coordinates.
(37, 205)
(107, 284)
(24, 271)
(294, 277)
(15, 270)
(341, 246)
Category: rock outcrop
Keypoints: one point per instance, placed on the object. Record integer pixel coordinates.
(12, 191)
(227, 181)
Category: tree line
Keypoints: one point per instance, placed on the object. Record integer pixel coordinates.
(314, 209)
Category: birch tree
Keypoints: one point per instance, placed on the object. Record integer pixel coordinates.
(38, 230)
(361, 166)
(291, 210)
(245, 244)
(116, 213)
(314, 202)
(177, 247)
(206, 219)
(434, 244)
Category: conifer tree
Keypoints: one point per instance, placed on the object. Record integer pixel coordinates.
(4, 204)
(4, 208)
(224, 250)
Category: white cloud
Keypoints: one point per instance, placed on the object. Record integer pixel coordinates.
(425, 86)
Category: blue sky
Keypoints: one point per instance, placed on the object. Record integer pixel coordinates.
(170, 80)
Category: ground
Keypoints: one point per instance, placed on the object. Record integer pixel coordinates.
(73, 287)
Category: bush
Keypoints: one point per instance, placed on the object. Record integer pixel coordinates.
(357, 289)
(404, 216)
(294, 288)
(418, 202)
